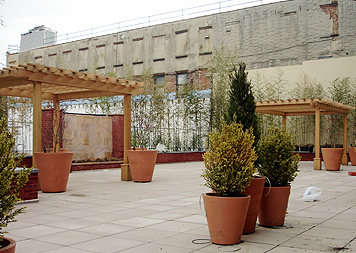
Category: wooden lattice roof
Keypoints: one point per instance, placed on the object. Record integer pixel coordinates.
(62, 84)
(296, 107)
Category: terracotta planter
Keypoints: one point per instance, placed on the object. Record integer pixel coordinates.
(226, 217)
(273, 206)
(255, 190)
(142, 164)
(54, 169)
(8, 245)
(352, 155)
(332, 158)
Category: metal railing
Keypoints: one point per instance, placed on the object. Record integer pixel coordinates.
(156, 19)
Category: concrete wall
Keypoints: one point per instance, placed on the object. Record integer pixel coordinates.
(287, 33)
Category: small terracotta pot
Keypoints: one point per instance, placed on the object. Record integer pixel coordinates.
(274, 205)
(8, 245)
(255, 190)
(352, 155)
(54, 169)
(332, 158)
(226, 217)
(142, 164)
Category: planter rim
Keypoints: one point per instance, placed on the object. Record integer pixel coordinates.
(213, 194)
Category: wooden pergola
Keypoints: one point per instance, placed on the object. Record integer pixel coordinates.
(315, 107)
(57, 84)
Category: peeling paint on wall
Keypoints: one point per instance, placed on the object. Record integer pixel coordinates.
(333, 10)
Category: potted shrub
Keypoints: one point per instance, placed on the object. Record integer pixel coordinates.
(279, 165)
(54, 166)
(142, 161)
(10, 184)
(229, 167)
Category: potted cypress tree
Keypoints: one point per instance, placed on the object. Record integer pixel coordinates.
(279, 165)
(229, 166)
(11, 183)
(241, 109)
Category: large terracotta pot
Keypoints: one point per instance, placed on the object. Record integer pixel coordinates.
(332, 158)
(8, 245)
(273, 206)
(352, 155)
(142, 164)
(54, 169)
(255, 190)
(226, 217)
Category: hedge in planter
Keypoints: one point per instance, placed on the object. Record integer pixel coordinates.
(229, 166)
(279, 165)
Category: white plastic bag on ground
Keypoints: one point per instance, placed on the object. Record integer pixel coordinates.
(311, 194)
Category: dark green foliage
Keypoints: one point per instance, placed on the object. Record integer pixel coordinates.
(229, 160)
(278, 163)
(241, 108)
(10, 181)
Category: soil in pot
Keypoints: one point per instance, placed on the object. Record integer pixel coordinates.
(8, 245)
(255, 190)
(274, 205)
(226, 217)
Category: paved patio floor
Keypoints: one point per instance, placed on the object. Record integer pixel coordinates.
(100, 213)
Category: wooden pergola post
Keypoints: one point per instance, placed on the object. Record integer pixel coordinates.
(317, 159)
(125, 167)
(344, 156)
(56, 124)
(284, 121)
(37, 119)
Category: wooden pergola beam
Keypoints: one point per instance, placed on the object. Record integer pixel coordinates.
(58, 84)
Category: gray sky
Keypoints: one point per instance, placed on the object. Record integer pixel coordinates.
(69, 16)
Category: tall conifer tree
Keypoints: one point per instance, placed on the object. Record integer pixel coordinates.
(241, 108)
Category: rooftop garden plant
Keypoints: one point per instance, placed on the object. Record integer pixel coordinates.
(11, 181)
(277, 161)
(229, 160)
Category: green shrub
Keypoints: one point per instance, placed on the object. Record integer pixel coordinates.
(10, 181)
(229, 160)
(278, 163)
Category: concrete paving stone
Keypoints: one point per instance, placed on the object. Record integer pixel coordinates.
(69, 237)
(200, 219)
(34, 246)
(144, 234)
(154, 248)
(315, 243)
(267, 236)
(107, 244)
(36, 231)
(243, 247)
(331, 233)
(139, 222)
(175, 226)
(106, 229)
(92, 211)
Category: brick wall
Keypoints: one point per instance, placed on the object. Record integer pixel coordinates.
(117, 135)
(30, 190)
(47, 128)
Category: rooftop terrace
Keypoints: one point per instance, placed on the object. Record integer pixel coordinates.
(101, 213)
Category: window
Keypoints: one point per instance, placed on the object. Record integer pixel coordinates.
(181, 83)
(159, 82)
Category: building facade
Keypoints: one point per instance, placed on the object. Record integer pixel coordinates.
(278, 35)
